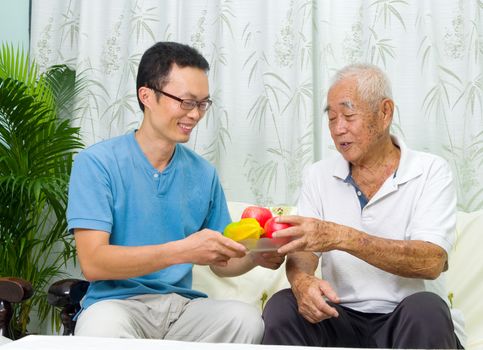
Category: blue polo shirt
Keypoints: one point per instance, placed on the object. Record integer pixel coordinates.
(114, 188)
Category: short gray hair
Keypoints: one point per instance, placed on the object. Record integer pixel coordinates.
(373, 85)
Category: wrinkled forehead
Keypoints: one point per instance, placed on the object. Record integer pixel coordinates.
(346, 104)
(344, 94)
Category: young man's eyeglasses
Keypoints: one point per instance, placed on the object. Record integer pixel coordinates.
(187, 104)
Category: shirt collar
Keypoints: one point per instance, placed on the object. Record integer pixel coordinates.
(140, 158)
(408, 169)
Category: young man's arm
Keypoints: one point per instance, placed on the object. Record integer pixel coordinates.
(102, 261)
(239, 266)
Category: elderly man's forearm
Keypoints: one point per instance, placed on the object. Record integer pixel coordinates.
(411, 258)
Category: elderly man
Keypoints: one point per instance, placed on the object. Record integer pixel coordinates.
(381, 218)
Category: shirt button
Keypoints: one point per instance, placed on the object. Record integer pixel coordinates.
(359, 193)
(156, 175)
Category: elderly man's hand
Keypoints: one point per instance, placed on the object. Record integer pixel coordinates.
(311, 294)
(309, 234)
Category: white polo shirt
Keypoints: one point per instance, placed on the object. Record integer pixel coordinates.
(418, 203)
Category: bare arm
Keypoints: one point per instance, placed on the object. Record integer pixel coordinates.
(101, 260)
(238, 266)
(412, 258)
(300, 265)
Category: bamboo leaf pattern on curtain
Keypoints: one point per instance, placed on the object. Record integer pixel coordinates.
(271, 61)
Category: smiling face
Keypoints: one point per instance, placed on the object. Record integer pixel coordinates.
(164, 119)
(356, 129)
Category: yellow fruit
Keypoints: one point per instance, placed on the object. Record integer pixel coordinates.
(243, 229)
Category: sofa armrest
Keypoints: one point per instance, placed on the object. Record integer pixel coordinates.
(12, 290)
(464, 275)
(15, 290)
(67, 294)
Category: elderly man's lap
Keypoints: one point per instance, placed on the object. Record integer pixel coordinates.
(421, 320)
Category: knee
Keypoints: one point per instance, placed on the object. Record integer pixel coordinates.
(423, 320)
(280, 310)
(427, 308)
(105, 319)
(248, 323)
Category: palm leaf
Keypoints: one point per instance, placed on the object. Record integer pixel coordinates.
(37, 144)
(64, 86)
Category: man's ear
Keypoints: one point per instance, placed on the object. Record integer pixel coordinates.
(145, 96)
(387, 111)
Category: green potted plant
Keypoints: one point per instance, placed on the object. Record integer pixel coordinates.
(37, 145)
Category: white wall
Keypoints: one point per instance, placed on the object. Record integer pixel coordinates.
(14, 22)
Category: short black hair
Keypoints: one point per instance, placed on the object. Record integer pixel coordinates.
(157, 61)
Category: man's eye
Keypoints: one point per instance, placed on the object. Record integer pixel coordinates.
(190, 103)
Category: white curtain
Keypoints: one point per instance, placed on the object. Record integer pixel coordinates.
(270, 65)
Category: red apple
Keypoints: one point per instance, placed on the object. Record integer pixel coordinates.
(271, 226)
(261, 214)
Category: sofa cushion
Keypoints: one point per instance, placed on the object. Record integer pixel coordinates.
(253, 287)
(464, 275)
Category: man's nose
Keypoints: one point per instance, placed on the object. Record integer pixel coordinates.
(340, 126)
(195, 113)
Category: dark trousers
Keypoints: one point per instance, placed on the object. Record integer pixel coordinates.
(421, 320)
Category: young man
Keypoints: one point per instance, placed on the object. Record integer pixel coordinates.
(381, 218)
(144, 208)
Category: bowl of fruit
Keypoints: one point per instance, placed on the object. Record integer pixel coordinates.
(255, 229)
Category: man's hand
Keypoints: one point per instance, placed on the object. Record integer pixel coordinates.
(269, 260)
(208, 247)
(311, 294)
(309, 234)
